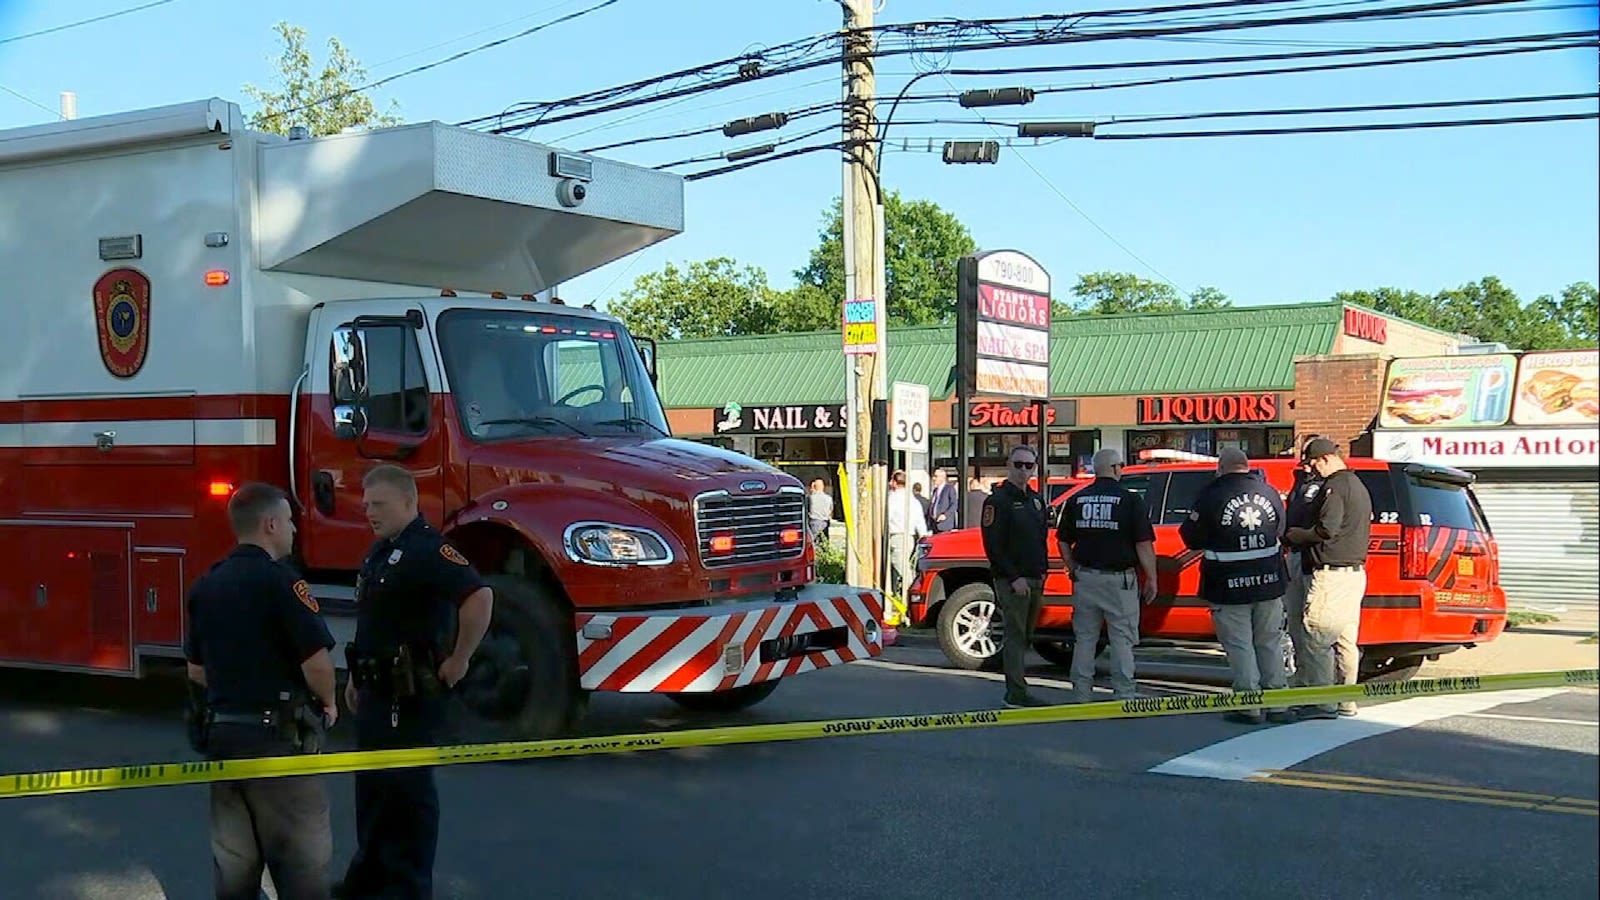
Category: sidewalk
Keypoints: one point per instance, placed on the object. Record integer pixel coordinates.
(1552, 646)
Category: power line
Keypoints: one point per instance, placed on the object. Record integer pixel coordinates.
(1372, 107)
(817, 109)
(29, 100)
(1273, 57)
(1113, 121)
(1086, 217)
(538, 113)
(449, 59)
(724, 155)
(1249, 132)
(89, 21)
(1368, 126)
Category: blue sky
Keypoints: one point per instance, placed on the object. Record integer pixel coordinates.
(1265, 219)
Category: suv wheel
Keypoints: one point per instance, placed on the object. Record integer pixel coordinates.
(970, 629)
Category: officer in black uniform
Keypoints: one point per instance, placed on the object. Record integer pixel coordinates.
(1106, 542)
(1237, 523)
(1015, 524)
(1302, 498)
(259, 650)
(400, 672)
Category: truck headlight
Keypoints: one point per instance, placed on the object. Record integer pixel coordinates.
(606, 544)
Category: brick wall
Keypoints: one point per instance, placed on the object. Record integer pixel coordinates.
(1337, 397)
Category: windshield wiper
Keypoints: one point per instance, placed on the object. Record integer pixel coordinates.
(635, 420)
(536, 421)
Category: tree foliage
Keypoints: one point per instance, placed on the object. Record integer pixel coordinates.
(326, 102)
(1109, 293)
(711, 298)
(922, 243)
(1490, 311)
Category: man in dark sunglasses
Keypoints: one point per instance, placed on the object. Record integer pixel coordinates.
(1015, 529)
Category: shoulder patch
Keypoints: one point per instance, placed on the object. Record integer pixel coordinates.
(988, 515)
(452, 554)
(303, 591)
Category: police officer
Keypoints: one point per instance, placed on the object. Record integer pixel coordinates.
(259, 648)
(399, 675)
(1237, 522)
(1106, 541)
(1307, 484)
(1015, 528)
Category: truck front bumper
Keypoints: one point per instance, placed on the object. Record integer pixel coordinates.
(715, 648)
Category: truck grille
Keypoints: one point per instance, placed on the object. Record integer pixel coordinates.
(755, 523)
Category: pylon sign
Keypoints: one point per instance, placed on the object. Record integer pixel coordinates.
(1003, 325)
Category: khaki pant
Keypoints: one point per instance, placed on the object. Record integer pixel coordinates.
(1018, 613)
(899, 564)
(1332, 625)
(1252, 635)
(1294, 611)
(1111, 598)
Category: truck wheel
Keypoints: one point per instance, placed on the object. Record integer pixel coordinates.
(731, 700)
(1379, 669)
(970, 627)
(523, 681)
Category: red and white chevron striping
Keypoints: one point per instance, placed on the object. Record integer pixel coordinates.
(708, 650)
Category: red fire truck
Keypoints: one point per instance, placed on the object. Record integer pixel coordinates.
(192, 304)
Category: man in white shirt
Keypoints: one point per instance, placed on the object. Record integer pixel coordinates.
(903, 531)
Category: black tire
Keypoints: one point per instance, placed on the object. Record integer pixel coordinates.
(731, 700)
(1382, 669)
(959, 617)
(523, 680)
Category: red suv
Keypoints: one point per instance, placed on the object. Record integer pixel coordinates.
(1432, 571)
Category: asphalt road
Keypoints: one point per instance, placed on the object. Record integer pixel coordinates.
(1474, 796)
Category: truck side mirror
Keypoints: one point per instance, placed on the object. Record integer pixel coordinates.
(349, 422)
(647, 354)
(348, 382)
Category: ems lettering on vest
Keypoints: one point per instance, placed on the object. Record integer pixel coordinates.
(1098, 513)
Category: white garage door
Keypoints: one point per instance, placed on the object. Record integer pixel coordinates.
(1547, 532)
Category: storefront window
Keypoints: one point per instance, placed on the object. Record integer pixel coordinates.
(1257, 443)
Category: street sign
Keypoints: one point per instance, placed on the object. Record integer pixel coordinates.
(909, 431)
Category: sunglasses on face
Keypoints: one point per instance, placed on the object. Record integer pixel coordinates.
(1019, 464)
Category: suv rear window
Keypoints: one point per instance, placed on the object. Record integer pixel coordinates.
(1440, 503)
(1385, 504)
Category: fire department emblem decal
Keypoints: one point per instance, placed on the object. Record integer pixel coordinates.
(302, 590)
(122, 319)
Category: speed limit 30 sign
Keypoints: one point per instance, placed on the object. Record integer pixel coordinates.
(908, 432)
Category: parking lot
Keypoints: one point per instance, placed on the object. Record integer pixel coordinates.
(1405, 794)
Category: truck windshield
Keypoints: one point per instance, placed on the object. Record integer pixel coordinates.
(520, 374)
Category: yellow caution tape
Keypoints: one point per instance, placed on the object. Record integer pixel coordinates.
(112, 778)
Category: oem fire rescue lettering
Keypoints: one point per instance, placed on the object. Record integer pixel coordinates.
(236, 324)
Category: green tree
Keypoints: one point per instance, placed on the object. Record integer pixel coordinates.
(922, 244)
(1488, 310)
(711, 298)
(1107, 293)
(326, 102)
(1577, 312)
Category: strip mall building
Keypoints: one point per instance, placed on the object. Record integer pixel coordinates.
(1192, 381)
(1259, 379)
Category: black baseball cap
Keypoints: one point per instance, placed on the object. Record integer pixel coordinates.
(1318, 448)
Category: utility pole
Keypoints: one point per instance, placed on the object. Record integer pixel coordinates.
(866, 374)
